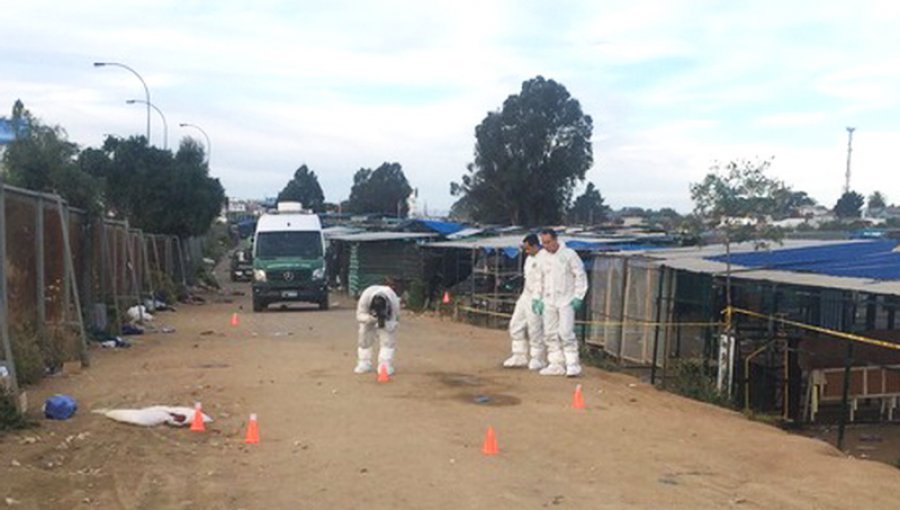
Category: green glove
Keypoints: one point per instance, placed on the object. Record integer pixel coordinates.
(577, 303)
(537, 306)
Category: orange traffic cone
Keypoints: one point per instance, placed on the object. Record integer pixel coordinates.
(446, 299)
(383, 373)
(234, 319)
(490, 442)
(578, 398)
(252, 436)
(197, 424)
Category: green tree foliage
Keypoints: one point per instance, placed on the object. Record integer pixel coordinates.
(588, 208)
(849, 205)
(155, 190)
(304, 188)
(876, 202)
(382, 190)
(737, 200)
(42, 159)
(528, 158)
(789, 202)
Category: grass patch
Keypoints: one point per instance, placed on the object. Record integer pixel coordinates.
(597, 357)
(689, 380)
(10, 418)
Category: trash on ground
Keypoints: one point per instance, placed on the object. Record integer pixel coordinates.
(167, 329)
(139, 313)
(482, 399)
(176, 416)
(60, 407)
(109, 341)
(131, 329)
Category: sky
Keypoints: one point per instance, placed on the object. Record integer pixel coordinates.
(673, 87)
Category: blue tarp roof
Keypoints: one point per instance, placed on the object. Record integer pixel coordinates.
(444, 228)
(873, 259)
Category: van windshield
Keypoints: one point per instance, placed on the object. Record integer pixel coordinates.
(302, 245)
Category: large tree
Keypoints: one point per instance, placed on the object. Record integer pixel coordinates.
(41, 158)
(849, 205)
(304, 188)
(155, 190)
(528, 157)
(588, 208)
(383, 190)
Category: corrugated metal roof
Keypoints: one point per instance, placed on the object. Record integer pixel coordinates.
(512, 242)
(870, 259)
(366, 237)
(441, 227)
(698, 260)
(468, 232)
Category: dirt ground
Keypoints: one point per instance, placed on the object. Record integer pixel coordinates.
(332, 439)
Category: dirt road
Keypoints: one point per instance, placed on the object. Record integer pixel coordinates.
(331, 439)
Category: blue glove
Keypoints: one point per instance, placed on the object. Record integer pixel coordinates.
(537, 306)
(577, 303)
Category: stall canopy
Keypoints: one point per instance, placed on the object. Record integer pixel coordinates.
(877, 260)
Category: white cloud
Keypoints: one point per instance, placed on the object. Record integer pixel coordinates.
(672, 86)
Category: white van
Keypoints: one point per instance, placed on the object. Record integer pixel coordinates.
(289, 258)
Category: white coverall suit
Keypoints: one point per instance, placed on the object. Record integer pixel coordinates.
(368, 329)
(564, 280)
(525, 320)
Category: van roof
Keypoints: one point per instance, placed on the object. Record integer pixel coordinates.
(287, 222)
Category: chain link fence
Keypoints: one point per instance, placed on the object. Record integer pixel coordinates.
(64, 275)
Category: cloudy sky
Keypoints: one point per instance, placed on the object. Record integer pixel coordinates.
(673, 86)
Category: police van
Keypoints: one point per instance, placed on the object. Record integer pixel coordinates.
(289, 258)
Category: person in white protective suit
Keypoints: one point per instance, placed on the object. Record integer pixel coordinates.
(378, 312)
(564, 285)
(525, 326)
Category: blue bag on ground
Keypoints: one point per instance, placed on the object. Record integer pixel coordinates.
(60, 407)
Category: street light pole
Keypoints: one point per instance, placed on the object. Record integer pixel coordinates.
(163, 117)
(146, 90)
(208, 144)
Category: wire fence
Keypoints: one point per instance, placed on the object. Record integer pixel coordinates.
(64, 274)
(780, 351)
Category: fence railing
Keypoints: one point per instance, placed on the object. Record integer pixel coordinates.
(63, 273)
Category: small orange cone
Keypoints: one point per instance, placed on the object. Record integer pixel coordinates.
(197, 424)
(446, 299)
(234, 319)
(383, 373)
(490, 442)
(252, 436)
(578, 398)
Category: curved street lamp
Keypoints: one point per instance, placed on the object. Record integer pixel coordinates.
(163, 117)
(146, 90)
(208, 144)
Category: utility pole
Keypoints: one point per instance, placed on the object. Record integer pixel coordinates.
(850, 131)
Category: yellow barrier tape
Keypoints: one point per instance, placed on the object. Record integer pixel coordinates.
(819, 329)
(601, 323)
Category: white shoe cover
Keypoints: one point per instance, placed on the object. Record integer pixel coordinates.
(573, 370)
(362, 367)
(535, 364)
(516, 361)
(553, 370)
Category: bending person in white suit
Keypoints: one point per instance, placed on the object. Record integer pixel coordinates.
(564, 285)
(378, 312)
(525, 327)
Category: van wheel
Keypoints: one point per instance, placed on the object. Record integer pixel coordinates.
(323, 303)
(258, 305)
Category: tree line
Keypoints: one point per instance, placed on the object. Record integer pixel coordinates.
(153, 189)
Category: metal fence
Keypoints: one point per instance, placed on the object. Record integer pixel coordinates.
(63, 274)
